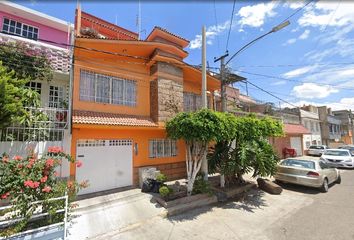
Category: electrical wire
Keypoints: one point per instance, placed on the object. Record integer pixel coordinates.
(232, 18)
(216, 24)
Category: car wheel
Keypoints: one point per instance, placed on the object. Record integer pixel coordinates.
(324, 187)
(339, 179)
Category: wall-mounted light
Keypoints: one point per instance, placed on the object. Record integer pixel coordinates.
(136, 148)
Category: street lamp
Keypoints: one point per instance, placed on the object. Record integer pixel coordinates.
(223, 65)
(222, 72)
(274, 29)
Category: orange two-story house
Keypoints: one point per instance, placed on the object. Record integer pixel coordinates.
(124, 90)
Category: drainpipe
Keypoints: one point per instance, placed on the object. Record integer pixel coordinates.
(71, 78)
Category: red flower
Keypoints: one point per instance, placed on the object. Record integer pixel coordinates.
(28, 183)
(31, 184)
(18, 158)
(44, 179)
(5, 159)
(19, 165)
(35, 184)
(78, 163)
(46, 189)
(49, 163)
(5, 195)
(55, 149)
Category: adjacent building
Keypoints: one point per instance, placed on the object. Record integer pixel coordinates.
(330, 127)
(124, 90)
(39, 31)
(310, 119)
(347, 125)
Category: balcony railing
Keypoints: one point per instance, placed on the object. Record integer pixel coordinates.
(41, 124)
(59, 57)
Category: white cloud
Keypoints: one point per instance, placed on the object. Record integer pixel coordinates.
(290, 41)
(298, 72)
(210, 33)
(255, 15)
(296, 5)
(281, 82)
(305, 34)
(312, 90)
(342, 104)
(325, 13)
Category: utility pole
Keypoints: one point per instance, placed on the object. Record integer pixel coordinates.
(223, 97)
(204, 95)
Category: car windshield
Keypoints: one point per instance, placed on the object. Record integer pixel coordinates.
(336, 153)
(299, 163)
(316, 147)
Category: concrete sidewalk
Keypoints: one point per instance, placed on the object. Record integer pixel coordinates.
(247, 218)
(102, 214)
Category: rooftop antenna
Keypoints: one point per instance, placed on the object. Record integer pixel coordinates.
(139, 20)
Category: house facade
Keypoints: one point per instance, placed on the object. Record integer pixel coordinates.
(39, 31)
(311, 121)
(123, 92)
(330, 127)
(347, 125)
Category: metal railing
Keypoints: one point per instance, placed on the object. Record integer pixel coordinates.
(42, 124)
(5, 222)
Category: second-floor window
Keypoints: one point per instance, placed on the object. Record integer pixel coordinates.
(19, 29)
(95, 87)
(192, 102)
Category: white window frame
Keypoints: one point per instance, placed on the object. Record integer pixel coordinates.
(22, 29)
(56, 100)
(122, 94)
(160, 148)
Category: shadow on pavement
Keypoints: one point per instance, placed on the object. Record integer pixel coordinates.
(299, 188)
(246, 202)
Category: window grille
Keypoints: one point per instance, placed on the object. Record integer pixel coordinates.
(102, 88)
(35, 86)
(192, 102)
(19, 29)
(56, 97)
(162, 148)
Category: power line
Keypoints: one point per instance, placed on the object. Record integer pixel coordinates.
(216, 24)
(293, 80)
(271, 94)
(296, 65)
(297, 10)
(232, 18)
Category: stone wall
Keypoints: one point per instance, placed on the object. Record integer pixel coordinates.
(170, 99)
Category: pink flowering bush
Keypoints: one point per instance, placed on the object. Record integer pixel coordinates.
(29, 179)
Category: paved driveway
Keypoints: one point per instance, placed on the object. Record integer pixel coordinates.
(298, 213)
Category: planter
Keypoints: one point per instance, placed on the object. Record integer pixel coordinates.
(184, 204)
(230, 192)
(55, 231)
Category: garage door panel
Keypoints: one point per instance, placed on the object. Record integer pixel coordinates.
(106, 164)
(295, 143)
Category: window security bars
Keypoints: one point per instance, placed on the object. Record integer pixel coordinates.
(19, 29)
(43, 124)
(102, 88)
(162, 148)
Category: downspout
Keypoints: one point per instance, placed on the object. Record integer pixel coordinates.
(71, 77)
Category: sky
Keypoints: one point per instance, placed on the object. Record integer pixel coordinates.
(311, 61)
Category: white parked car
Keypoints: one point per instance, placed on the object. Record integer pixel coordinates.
(317, 150)
(338, 158)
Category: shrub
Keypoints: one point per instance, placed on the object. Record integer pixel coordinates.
(201, 186)
(165, 191)
(161, 178)
(29, 179)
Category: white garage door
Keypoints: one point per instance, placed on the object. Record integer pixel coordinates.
(295, 142)
(107, 164)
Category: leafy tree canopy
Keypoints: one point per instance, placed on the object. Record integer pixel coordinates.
(28, 63)
(204, 125)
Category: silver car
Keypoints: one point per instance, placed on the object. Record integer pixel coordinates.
(316, 150)
(307, 171)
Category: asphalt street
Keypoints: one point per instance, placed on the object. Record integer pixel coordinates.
(298, 213)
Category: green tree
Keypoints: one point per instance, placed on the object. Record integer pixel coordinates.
(11, 97)
(248, 150)
(198, 129)
(27, 63)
